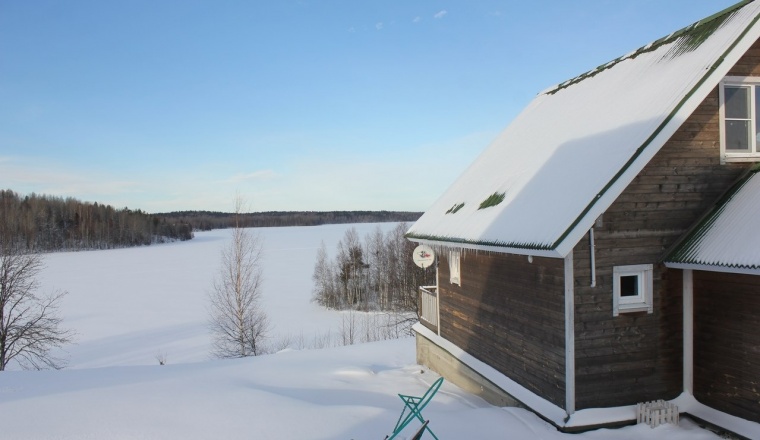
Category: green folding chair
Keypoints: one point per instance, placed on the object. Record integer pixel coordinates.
(414, 405)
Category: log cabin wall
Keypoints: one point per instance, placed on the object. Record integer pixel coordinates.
(509, 313)
(636, 357)
(633, 357)
(727, 342)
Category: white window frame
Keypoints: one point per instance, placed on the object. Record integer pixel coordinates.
(455, 268)
(630, 304)
(754, 154)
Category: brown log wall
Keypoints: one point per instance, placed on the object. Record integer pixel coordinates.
(509, 313)
(634, 357)
(727, 342)
(638, 356)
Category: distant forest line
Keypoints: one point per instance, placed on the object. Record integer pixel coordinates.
(207, 220)
(51, 223)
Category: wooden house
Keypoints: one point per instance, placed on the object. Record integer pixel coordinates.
(605, 249)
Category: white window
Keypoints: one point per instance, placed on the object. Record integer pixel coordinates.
(454, 268)
(632, 289)
(739, 129)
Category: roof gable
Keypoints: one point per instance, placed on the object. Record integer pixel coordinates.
(540, 185)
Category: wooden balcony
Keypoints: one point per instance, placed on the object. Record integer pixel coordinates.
(429, 307)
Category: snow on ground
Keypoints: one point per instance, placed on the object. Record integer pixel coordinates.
(337, 393)
(130, 305)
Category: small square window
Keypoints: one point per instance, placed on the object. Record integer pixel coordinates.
(632, 289)
(455, 276)
(629, 286)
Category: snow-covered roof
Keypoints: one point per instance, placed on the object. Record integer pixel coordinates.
(727, 239)
(541, 184)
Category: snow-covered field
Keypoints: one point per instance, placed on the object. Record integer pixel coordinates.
(131, 306)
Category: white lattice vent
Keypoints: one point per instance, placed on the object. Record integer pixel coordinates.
(656, 413)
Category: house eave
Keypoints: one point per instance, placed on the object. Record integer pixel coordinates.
(714, 268)
(485, 247)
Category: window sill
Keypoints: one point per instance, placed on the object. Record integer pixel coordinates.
(632, 308)
(740, 158)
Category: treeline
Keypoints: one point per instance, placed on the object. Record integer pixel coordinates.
(207, 220)
(376, 274)
(49, 223)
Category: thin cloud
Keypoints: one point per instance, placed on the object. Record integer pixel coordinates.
(27, 175)
(379, 26)
(440, 14)
(256, 175)
(416, 19)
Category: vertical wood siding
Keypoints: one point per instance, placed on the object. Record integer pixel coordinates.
(727, 342)
(509, 313)
(638, 356)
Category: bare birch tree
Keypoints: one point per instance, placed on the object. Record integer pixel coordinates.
(325, 292)
(238, 322)
(30, 327)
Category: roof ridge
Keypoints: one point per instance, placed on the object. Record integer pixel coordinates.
(714, 21)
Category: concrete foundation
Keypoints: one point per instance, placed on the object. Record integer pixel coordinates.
(442, 362)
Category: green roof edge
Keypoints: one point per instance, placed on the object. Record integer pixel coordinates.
(647, 48)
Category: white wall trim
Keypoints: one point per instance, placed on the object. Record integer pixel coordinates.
(592, 255)
(438, 299)
(569, 335)
(688, 331)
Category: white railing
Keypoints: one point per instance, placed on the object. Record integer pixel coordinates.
(429, 305)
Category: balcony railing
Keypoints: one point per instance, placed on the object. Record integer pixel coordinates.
(429, 305)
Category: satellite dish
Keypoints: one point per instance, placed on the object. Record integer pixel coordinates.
(423, 256)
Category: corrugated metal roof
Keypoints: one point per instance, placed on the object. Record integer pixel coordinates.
(729, 236)
(574, 149)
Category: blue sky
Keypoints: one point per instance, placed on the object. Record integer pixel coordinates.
(295, 105)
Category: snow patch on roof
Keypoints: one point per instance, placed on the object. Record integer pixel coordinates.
(581, 144)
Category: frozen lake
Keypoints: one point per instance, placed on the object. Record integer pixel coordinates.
(129, 306)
